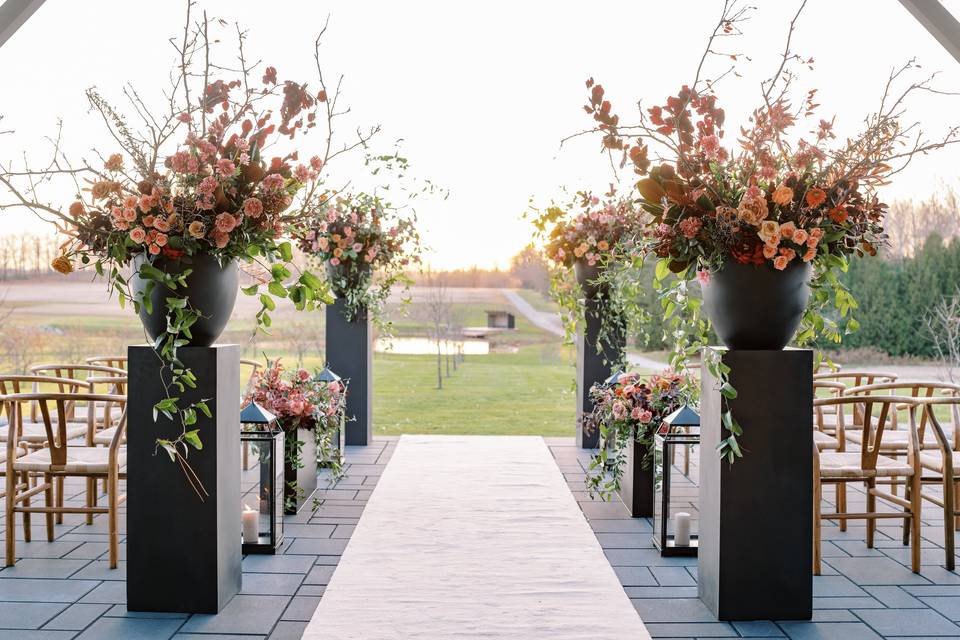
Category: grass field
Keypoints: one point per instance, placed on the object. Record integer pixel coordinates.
(524, 386)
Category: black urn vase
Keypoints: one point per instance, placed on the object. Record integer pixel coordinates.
(588, 278)
(211, 290)
(757, 306)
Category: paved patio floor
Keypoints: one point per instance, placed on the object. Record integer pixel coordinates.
(64, 591)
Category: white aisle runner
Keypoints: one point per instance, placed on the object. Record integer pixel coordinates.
(474, 537)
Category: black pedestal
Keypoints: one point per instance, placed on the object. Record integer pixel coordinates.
(595, 365)
(636, 485)
(300, 483)
(350, 355)
(756, 537)
(183, 553)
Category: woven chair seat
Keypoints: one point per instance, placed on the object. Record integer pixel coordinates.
(825, 441)
(36, 433)
(897, 440)
(105, 436)
(843, 465)
(79, 460)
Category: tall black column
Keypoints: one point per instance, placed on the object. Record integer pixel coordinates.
(595, 364)
(350, 355)
(756, 538)
(183, 552)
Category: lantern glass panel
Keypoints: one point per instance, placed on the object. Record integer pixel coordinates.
(262, 489)
(675, 515)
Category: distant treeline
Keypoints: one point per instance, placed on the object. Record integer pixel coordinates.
(528, 270)
(26, 255)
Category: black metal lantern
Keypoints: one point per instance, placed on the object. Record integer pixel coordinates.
(329, 375)
(614, 378)
(262, 486)
(674, 515)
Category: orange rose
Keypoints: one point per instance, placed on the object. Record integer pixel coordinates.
(780, 263)
(783, 196)
(769, 251)
(810, 254)
(753, 211)
(800, 236)
(787, 229)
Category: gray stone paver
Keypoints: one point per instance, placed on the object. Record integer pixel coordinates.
(64, 590)
(863, 594)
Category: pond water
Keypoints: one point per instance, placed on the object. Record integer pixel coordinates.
(423, 346)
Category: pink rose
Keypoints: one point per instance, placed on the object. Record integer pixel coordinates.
(357, 247)
(161, 240)
(138, 235)
(303, 375)
(160, 224)
(154, 249)
(645, 416)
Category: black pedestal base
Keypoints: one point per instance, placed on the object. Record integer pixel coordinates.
(636, 485)
(594, 365)
(183, 553)
(350, 355)
(756, 515)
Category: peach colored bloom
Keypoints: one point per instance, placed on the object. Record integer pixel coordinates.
(161, 239)
(196, 229)
(783, 195)
(769, 251)
(789, 254)
(148, 221)
(780, 263)
(160, 224)
(810, 254)
(137, 235)
(129, 215)
(154, 249)
(787, 229)
(752, 211)
(225, 223)
(130, 202)
(800, 236)
(816, 232)
(769, 230)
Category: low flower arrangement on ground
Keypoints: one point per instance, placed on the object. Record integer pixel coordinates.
(630, 409)
(365, 246)
(302, 400)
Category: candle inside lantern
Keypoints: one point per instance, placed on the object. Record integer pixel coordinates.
(681, 529)
(251, 525)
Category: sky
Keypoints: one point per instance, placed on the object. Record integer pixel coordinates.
(481, 93)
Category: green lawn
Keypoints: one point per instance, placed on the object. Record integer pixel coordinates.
(526, 393)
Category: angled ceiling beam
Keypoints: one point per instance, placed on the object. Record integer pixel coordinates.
(938, 21)
(13, 13)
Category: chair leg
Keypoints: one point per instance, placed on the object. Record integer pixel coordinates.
(91, 497)
(906, 521)
(871, 508)
(58, 492)
(949, 527)
(916, 507)
(48, 501)
(26, 514)
(841, 496)
(112, 483)
(10, 519)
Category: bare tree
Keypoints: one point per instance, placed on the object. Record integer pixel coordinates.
(909, 223)
(943, 324)
(438, 314)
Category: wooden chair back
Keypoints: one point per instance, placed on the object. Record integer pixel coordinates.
(877, 412)
(116, 362)
(856, 378)
(55, 422)
(16, 384)
(916, 389)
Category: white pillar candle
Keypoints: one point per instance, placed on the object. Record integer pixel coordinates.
(251, 525)
(681, 529)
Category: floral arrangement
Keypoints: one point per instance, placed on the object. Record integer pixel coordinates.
(365, 246)
(589, 231)
(214, 173)
(775, 199)
(630, 409)
(302, 400)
